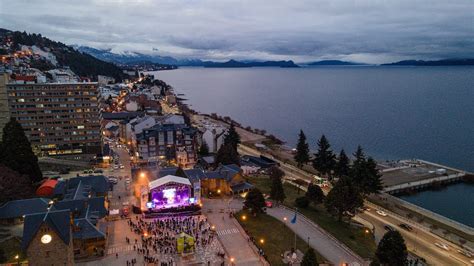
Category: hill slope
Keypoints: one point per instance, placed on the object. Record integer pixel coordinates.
(80, 63)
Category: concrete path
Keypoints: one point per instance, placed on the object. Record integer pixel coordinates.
(325, 244)
(235, 241)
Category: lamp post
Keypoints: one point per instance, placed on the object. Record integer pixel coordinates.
(17, 258)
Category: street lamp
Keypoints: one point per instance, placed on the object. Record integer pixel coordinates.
(244, 217)
(142, 174)
(262, 241)
(17, 258)
(285, 219)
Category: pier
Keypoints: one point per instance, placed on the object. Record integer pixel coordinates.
(408, 175)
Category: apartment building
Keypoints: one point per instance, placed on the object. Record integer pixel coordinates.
(59, 119)
(172, 143)
(4, 111)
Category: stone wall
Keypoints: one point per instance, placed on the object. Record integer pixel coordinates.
(53, 253)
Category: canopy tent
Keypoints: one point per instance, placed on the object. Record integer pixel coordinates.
(169, 179)
(184, 243)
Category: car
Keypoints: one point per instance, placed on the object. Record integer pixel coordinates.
(389, 228)
(442, 246)
(381, 213)
(268, 204)
(406, 227)
(465, 253)
(121, 166)
(116, 167)
(113, 180)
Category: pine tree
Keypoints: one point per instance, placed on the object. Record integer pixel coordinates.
(344, 197)
(204, 149)
(276, 191)
(315, 194)
(324, 160)
(309, 258)
(232, 137)
(227, 155)
(373, 182)
(276, 172)
(342, 165)
(392, 250)
(16, 152)
(302, 150)
(364, 173)
(255, 201)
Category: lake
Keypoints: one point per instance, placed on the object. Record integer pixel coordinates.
(393, 112)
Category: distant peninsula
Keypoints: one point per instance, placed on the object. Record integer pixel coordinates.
(444, 62)
(234, 64)
(334, 63)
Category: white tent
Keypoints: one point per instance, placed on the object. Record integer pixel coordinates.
(169, 179)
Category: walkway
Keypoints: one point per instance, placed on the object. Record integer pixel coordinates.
(234, 241)
(325, 244)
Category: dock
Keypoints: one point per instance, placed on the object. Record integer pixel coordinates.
(405, 175)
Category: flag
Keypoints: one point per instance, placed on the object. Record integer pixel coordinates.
(293, 221)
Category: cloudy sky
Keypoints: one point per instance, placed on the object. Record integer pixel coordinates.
(301, 30)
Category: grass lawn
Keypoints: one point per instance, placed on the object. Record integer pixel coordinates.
(11, 247)
(354, 238)
(277, 237)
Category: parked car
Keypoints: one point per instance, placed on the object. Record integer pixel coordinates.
(465, 253)
(122, 166)
(116, 167)
(406, 227)
(268, 204)
(442, 246)
(113, 180)
(98, 171)
(389, 228)
(381, 213)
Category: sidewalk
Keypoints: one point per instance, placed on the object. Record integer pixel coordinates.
(325, 244)
(235, 243)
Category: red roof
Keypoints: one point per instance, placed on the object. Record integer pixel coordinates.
(25, 78)
(46, 189)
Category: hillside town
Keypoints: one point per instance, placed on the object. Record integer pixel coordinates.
(99, 170)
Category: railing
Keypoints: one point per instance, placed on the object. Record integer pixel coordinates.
(432, 215)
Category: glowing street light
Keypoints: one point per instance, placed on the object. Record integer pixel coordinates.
(244, 217)
(145, 234)
(232, 259)
(262, 241)
(285, 219)
(213, 227)
(142, 174)
(218, 191)
(367, 231)
(17, 256)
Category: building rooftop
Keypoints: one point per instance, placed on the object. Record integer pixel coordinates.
(59, 221)
(18, 208)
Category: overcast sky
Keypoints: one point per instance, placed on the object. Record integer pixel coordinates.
(301, 30)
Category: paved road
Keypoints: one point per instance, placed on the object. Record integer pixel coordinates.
(291, 171)
(235, 242)
(318, 239)
(419, 241)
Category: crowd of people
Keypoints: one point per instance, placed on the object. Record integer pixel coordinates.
(158, 237)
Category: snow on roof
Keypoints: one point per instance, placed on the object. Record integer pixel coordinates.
(168, 179)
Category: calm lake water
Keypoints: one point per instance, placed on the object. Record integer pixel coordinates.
(393, 112)
(454, 201)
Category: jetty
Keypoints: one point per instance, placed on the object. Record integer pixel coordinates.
(407, 175)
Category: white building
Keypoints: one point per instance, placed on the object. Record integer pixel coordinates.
(213, 136)
(137, 125)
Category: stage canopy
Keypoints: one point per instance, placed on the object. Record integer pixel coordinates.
(169, 179)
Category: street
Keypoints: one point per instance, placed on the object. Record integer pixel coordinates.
(418, 241)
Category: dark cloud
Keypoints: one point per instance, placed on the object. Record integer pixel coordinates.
(364, 30)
